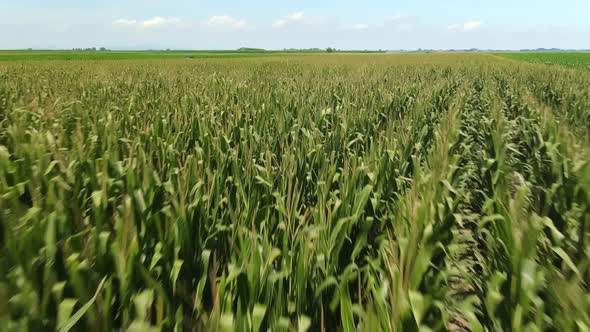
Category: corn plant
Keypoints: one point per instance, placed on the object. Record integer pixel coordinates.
(424, 192)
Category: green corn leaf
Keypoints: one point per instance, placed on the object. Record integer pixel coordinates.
(64, 312)
(258, 314)
(175, 272)
(303, 324)
(71, 322)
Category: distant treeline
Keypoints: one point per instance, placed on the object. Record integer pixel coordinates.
(239, 50)
(314, 50)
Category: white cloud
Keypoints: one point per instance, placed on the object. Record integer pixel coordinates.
(159, 21)
(290, 18)
(123, 21)
(149, 23)
(226, 21)
(403, 23)
(297, 16)
(279, 23)
(360, 26)
(396, 17)
(468, 26)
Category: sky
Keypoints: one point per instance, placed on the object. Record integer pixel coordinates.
(280, 24)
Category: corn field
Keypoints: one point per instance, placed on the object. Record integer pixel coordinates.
(424, 192)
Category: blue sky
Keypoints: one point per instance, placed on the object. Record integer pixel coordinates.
(344, 24)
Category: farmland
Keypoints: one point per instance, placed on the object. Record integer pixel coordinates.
(574, 59)
(341, 192)
(125, 55)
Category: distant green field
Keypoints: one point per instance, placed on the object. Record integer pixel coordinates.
(125, 55)
(574, 60)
